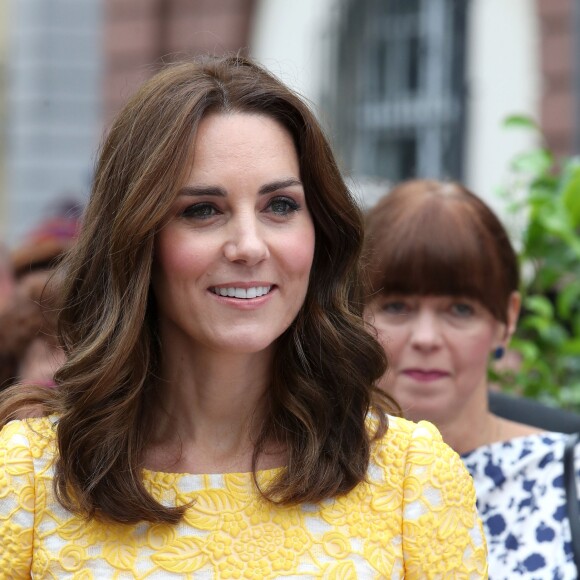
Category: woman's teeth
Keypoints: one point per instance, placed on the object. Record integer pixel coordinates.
(253, 292)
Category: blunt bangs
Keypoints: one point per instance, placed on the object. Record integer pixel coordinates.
(429, 244)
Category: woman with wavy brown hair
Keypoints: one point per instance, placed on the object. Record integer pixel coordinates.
(217, 413)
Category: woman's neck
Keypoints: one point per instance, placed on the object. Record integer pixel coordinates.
(213, 408)
(466, 435)
(483, 429)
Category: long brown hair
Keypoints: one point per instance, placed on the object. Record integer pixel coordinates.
(326, 364)
(436, 237)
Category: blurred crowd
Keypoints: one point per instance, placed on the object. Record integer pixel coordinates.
(29, 349)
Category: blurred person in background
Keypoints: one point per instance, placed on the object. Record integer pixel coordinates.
(29, 349)
(6, 278)
(444, 280)
(218, 413)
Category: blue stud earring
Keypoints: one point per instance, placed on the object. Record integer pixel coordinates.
(498, 352)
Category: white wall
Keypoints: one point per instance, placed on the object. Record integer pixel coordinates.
(288, 37)
(503, 70)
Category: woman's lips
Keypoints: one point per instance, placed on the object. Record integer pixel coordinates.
(425, 376)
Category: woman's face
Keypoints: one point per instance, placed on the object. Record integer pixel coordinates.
(232, 265)
(438, 349)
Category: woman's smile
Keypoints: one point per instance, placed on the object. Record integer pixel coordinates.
(243, 292)
(243, 296)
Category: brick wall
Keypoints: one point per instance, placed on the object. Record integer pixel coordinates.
(140, 34)
(557, 52)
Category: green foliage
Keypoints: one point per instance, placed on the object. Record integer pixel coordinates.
(548, 335)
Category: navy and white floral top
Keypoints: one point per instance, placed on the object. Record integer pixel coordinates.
(521, 500)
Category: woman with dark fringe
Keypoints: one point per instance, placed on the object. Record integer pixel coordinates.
(445, 303)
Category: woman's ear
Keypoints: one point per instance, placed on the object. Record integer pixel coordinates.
(370, 310)
(506, 331)
(513, 313)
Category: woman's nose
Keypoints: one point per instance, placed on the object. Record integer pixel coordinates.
(426, 331)
(246, 243)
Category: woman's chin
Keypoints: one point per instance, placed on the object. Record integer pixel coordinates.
(433, 411)
(243, 345)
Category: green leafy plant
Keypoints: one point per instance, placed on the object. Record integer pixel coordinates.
(546, 195)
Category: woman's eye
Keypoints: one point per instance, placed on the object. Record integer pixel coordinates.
(462, 309)
(282, 206)
(200, 211)
(395, 307)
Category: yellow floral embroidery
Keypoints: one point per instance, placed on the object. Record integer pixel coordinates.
(413, 518)
(72, 558)
(160, 535)
(15, 548)
(336, 545)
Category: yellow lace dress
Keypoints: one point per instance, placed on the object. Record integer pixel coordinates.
(414, 518)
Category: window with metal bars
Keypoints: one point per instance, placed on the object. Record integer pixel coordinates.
(400, 91)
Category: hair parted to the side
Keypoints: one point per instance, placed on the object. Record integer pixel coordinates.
(430, 237)
(326, 364)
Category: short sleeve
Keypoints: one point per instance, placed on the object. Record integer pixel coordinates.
(16, 502)
(442, 532)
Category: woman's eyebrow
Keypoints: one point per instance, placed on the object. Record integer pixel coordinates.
(280, 184)
(216, 191)
(202, 190)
